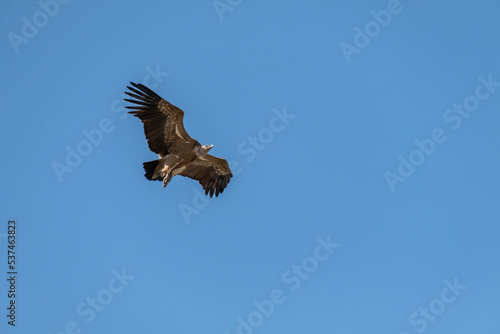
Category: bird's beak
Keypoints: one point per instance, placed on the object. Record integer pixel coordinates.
(211, 146)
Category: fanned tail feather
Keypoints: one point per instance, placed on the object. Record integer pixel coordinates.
(150, 167)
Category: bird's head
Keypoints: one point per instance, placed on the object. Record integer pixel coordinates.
(204, 150)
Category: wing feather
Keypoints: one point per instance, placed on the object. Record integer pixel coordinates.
(163, 122)
(213, 174)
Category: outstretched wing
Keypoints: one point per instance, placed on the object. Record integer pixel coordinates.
(213, 173)
(163, 122)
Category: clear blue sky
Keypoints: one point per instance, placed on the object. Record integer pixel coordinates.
(364, 139)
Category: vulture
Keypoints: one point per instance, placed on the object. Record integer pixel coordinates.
(179, 154)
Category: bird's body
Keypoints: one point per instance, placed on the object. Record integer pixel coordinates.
(179, 154)
(175, 162)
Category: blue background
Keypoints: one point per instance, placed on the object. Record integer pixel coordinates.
(320, 175)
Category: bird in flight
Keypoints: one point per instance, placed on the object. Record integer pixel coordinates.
(179, 154)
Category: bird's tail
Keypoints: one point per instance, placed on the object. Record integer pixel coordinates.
(150, 167)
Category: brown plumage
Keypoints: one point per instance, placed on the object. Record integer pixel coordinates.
(179, 154)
